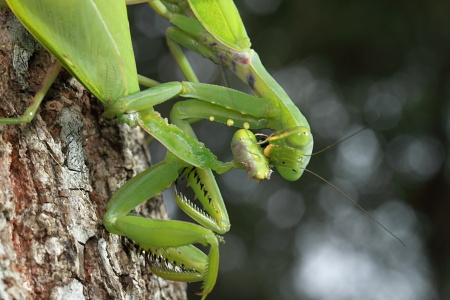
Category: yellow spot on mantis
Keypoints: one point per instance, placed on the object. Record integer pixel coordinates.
(230, 122)
(246, 125)
(211, 118)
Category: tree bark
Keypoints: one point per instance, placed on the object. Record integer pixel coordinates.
(56, 176)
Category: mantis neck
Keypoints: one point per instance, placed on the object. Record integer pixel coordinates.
(252, 72)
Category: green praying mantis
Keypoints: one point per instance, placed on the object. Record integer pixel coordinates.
(91, 39)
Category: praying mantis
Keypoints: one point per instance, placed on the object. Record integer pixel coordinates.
(90, 38)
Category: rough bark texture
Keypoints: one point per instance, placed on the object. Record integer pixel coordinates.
(56, 176)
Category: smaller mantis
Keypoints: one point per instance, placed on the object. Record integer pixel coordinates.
(90, 38)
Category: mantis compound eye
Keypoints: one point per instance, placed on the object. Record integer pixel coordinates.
(299, 137)
(296, 137)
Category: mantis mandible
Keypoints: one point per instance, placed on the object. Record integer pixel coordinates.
(90, 38)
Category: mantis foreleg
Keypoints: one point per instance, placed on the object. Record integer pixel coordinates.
(160, 236)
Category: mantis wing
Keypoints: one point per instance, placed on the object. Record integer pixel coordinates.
(221, 19)
(95, 49)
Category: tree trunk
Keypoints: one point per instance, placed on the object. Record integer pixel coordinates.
(56, 176)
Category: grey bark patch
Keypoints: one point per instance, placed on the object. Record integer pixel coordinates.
(71, 127)
(24, 47)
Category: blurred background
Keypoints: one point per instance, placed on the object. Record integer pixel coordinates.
(346, 64)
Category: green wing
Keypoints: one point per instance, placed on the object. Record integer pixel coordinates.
(221, 19)
(91, 38)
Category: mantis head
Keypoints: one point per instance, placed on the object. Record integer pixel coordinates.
(289, 150)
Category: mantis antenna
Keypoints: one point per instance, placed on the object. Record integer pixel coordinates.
(347, 138)
(355, 203)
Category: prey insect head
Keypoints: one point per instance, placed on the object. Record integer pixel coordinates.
(247, 151)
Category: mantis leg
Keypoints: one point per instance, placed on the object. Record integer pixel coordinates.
(177, 235)
(29, 114)
(169, 243)
(225, 99)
